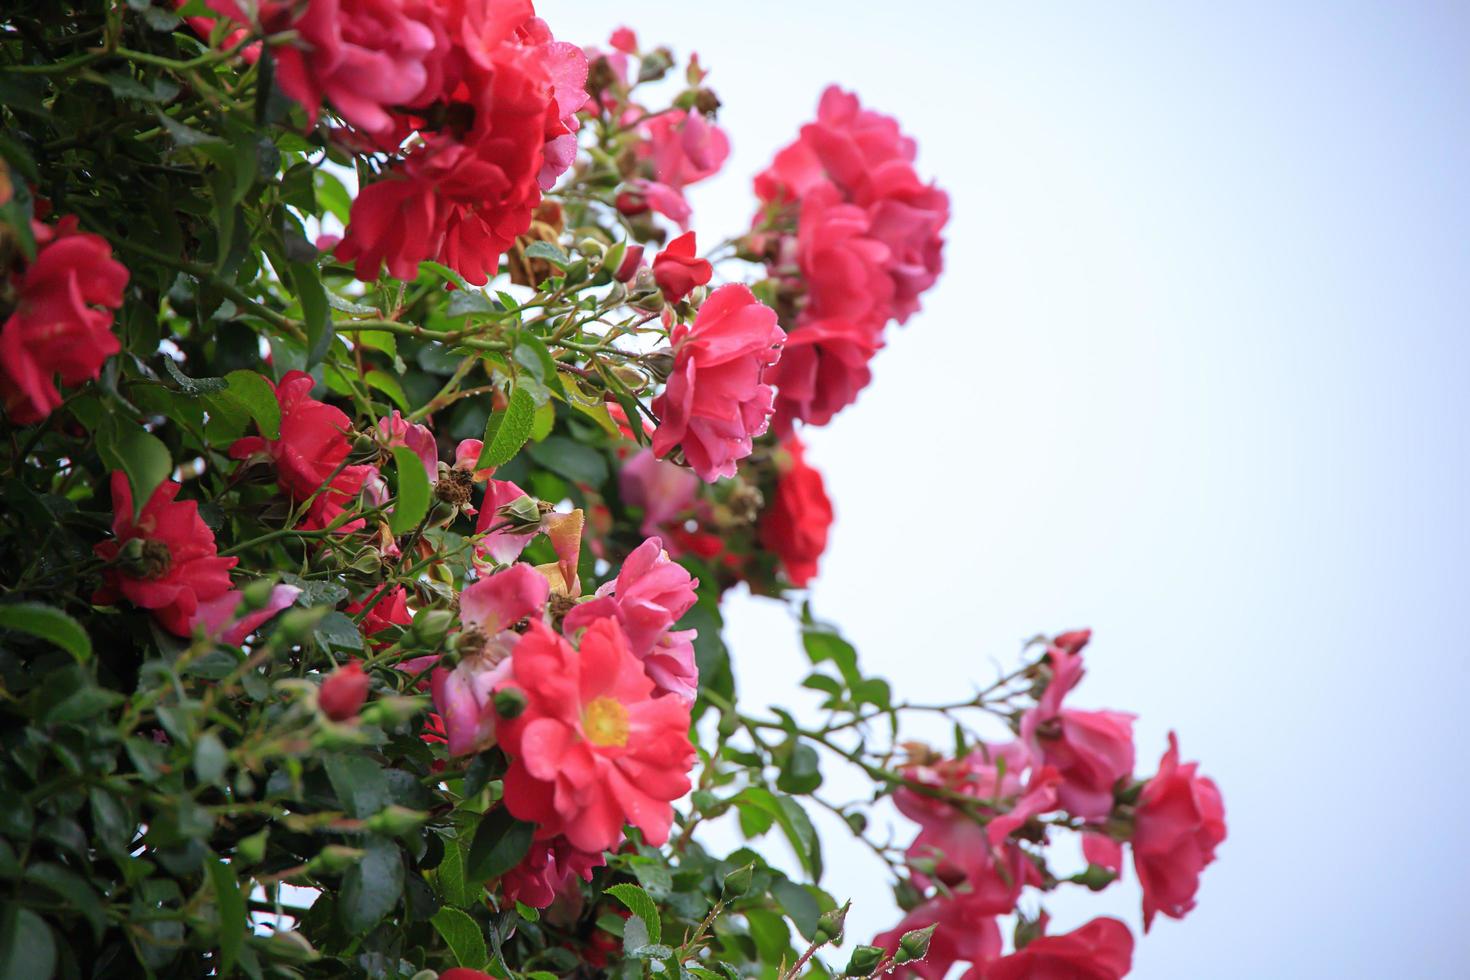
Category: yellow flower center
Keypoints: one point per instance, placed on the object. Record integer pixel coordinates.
(605, 722)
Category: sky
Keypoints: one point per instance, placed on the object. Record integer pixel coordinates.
(1196, 378)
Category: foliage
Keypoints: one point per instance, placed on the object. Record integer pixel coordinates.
(265, 641)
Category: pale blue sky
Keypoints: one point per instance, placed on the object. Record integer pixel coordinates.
(1196, 378)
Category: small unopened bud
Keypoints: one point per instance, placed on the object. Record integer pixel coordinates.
(343, 692)
(737, 882)
(655, 65)
(509, 703)
(628, 268)
(591, 248)
(251, 850)
(914, 945)
(865, 960)
(429, 626)
(255, 595)
(296, 624)
(830, 924)
(629, 203)
(630, 376)
(396, 820)
(334, 858)
(522, 513)
(600, 75)
(644, 293)
(1095, 878)
(659, 363)
(706, 101)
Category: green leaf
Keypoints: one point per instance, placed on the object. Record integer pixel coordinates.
(548, 252)
(27, 947)
(638, 902)
(499, 844)
(800, 906)
(230, 904)
(450, 876)
(412, 502)
(336, 630)
(333, 196)
(210, 758)
(507, 431)
(314, 310)
(771, 934)
(463, 302)
(183, 135)
(360, 784)
(388, 385)
(257, 396)
(78, 892)
(571, 459)
(793, 820)
(801, 771)
(371, 887)
(142, 457)
(48, 624)
(463, 936)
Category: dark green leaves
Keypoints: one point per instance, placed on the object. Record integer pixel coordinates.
(359, 783)
(371, 887)
(27, 947)
(499, 844)
(140, 455)
(645, 914)
(413, 491)
(759, 808)
(463, 936)
(48, 624)
(314, 310)
(576, 461)
(230, 904)
(507, 431)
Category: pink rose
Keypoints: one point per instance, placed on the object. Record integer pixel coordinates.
(1100, 950)
(716, 401)
(823, 366)
(1179, 822)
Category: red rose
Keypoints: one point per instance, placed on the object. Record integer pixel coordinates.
(1100, 950)
(57, 327)
(165, 561)
(677, 271)
(313, 443)
(716, 401)
(1179, 823)
(795, 525)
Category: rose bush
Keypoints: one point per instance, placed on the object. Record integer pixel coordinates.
(378, 444)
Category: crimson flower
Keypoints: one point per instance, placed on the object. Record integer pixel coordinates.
(795, 525)
(822, 368)
(165, 560)
(312, 445)
(677, 269)
(343, 692)
(546, 871)
(62, 324)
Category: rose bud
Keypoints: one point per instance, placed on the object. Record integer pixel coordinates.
(628, 268)
(343, 692)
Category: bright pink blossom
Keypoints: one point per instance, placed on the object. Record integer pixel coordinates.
(395, 430)
(312, 445)
(62, 322)
(488, 609)
(547, 870)
(795, 524)
(716, 401)
(844, 269)
(1180, 821)
(677, 269)
(165, 560)
(1092, 750)
(649, 595)
(966, 933)
(1103, 851)
(363, 56)
(1100, 950)
(594, 749)
(664, 491)
(822, 368)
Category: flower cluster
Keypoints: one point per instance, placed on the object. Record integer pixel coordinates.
(852, 236)
(61, 324)
(475, 100)
(982, 816)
